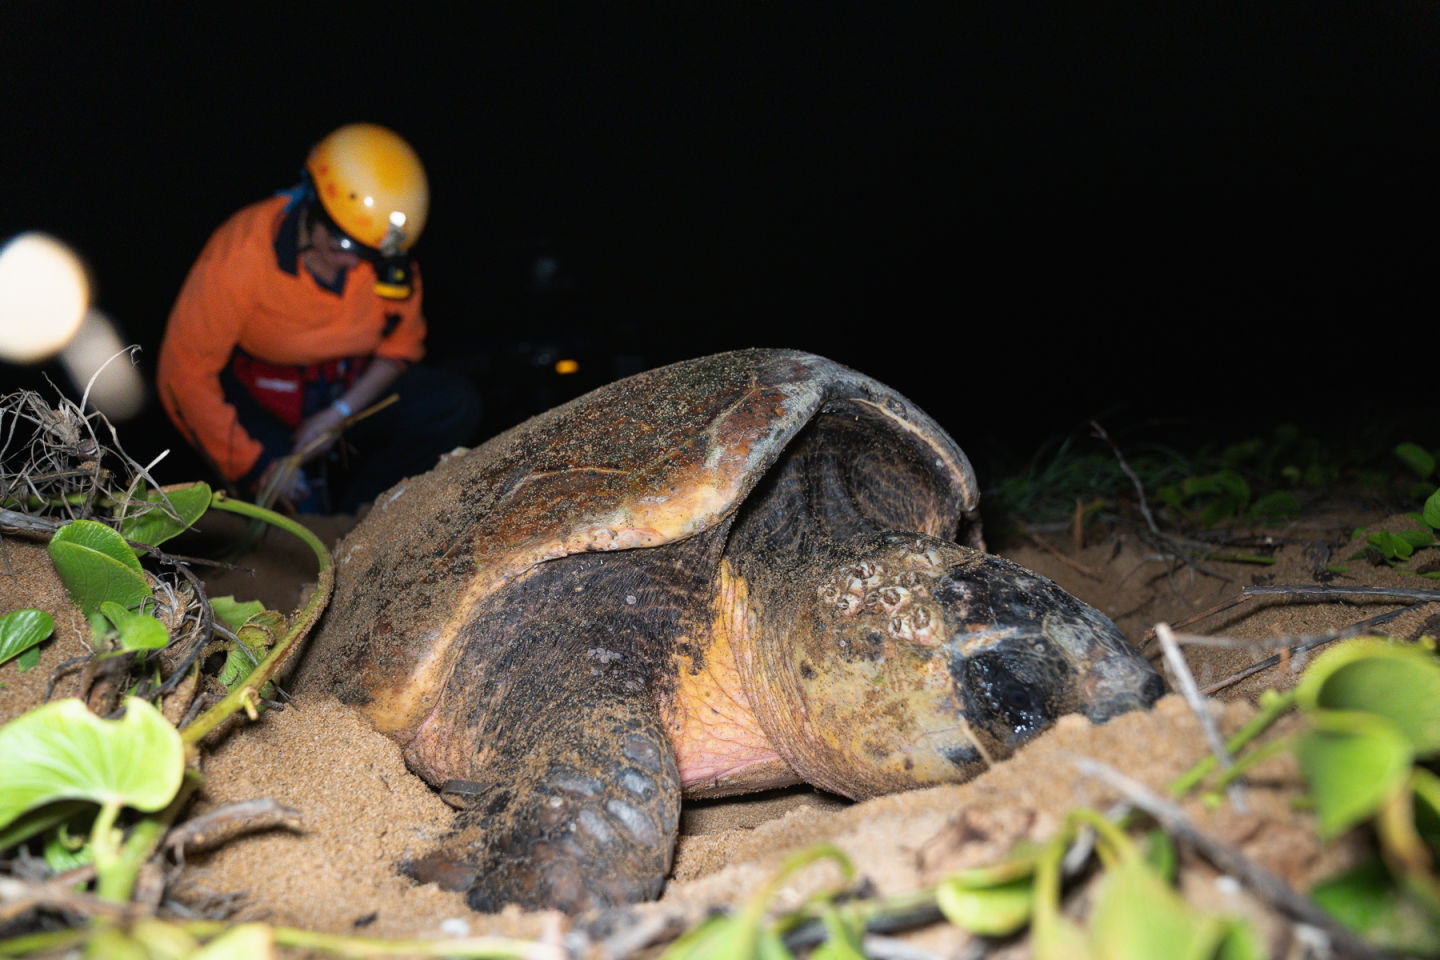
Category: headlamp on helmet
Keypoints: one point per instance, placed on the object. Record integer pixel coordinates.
(373, 197)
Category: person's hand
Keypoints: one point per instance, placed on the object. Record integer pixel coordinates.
(283, 480)
(318, 434)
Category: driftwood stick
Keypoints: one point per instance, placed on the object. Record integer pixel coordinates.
(1327, 591)
(15, 522)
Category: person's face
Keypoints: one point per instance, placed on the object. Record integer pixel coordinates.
(328, 254)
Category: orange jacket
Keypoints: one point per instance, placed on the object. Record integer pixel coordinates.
(240, 294)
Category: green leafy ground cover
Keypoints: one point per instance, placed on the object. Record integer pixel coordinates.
(1262, 479)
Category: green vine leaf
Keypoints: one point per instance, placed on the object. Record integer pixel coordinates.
(96, 564)
(1391, 545)
(62, 751)
(845, 934)
(1241, 941)
(1431, 511)
(253, 642)
(1367, 900)
(61, 854)
(1061, 939)
(155, 525)
(248, 941)
(22, 629)
(1137, 915)
(138, 631)
(991, 911)
(233, 613)
(1352, 761)
(1396, 681)
(1417, 539)
(1277, 505)
(1417, 458)
(1159, 852)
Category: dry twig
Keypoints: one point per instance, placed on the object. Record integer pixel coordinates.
(287, 465)
(1198, 706)
(231, 820)
(1327, 591)
(17, 897)
(1172, 546)
(1313, 591)
(1294, 645)
(1034, 538)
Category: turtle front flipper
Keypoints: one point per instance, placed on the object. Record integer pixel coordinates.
(549, 736)
(587, 818)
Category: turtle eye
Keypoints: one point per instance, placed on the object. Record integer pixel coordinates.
(1014, 697)
(1000, 694)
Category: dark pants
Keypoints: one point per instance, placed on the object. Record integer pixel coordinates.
(436, 412)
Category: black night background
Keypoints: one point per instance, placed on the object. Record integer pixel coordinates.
(1176, 216)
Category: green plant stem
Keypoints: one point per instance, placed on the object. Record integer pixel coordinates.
(301, 623)
(348, 946)
(1404, 850)
(50, 942)
(339, 945)
(1258, 755)
(111, 885)
(870, 910)
(803, 858)
(73, 499)
(1269, 711)
(897, 904)
(1111, 842)
(1046, 910)
(144, 837)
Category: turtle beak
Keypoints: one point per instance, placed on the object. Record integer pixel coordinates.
(1119, 684)
(1029, 652)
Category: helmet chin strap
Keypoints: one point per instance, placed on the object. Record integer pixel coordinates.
(305, 243)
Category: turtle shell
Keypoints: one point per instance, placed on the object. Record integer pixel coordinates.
(643, 462)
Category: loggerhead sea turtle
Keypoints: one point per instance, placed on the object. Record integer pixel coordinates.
(725, 575)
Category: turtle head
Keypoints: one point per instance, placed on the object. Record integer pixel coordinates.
(1022, 652)
(920, 661)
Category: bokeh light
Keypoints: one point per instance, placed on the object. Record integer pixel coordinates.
(44, 293)
(97, 360)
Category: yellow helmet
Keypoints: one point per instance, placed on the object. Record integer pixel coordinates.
(372, 185)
